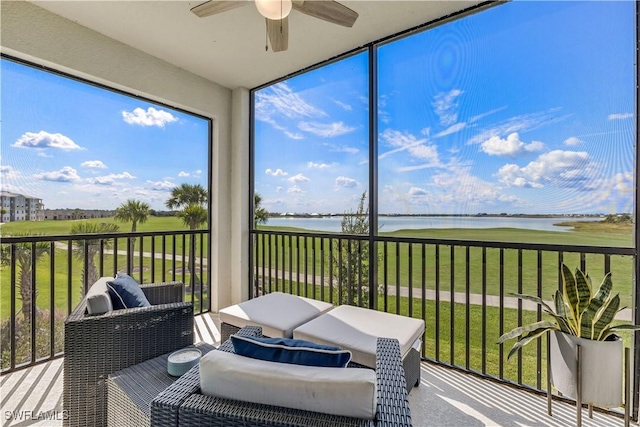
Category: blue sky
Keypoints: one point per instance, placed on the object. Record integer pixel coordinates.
(526, 108)
(77, 146)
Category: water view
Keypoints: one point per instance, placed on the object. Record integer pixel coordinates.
(394, 223)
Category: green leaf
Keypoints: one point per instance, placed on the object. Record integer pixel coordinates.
(567, 322)
(583, 286)
(535, 299)
(516, 332)
(570, 291)
(605, 317)
(528, 338)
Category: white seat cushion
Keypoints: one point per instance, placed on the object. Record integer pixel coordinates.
(339, 391)
(357, 329)
(278, 313)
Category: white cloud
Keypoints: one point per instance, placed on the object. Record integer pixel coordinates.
(161, 185)
(298, 178)
(620, 116)
(295, 190)
(277, 172)
(416, 191)
(44, 139)
(312, 165)
(342, 148)
(344, 106)
(512, 146)
(346, 182)
(294, 135)
(418, 149)
(197, 172)
(562, 169)
(483, 115)
(451, 129)
(445, 106)
(281, 99)
(278, 189)
(93, 164)
(151, 117)
(66, 174)
(524, 122)
(183, 174)
(109, 179)
(7, 173)
(572, 141)
(325, 130)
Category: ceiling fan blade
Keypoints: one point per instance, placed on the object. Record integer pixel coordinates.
(328, 10)
(278, 31)
(213, 7)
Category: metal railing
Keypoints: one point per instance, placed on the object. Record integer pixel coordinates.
(43, 278)
(460, 288)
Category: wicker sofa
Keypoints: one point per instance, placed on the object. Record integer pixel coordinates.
(181, 404)
(96, 346)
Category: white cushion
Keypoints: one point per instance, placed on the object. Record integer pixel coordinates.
(98, 299)
(357, 329)
(339, 391)
(278, 313)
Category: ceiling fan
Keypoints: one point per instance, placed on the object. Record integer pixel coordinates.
(276, 13)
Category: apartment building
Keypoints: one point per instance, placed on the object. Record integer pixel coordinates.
(18, 207)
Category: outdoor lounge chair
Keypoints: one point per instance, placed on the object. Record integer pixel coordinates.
(182, 403)
(97, 345)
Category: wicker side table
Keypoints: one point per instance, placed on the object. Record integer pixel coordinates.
(131, 390)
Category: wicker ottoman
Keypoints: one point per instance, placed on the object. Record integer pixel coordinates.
(277, 313)
(357, 329)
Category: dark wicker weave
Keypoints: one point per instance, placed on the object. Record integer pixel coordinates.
(96, 346)
(194, 409)
(410, 363)
(131, 390)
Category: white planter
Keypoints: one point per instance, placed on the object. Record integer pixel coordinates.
(601, 363)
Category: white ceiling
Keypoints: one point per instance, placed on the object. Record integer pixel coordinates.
(229, 48)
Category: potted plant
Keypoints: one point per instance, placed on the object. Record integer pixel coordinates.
(581, 317)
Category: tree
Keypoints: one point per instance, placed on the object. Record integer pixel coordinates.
(91, 247)
(351, 257)
(191, 199)
(187, 194)
(135, 212)
(260, 214)
(25, 253)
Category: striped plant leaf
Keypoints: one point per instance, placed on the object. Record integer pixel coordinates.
(526, 329)
(611, 330)
(563, 315)
(528, 338)
(583, 286)
(570, 291)
(605, 316)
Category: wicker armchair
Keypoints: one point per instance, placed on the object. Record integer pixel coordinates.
(181, 404)
(96, 346)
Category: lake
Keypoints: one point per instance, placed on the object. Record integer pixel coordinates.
(393, 223)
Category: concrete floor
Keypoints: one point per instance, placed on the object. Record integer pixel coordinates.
(444, 398)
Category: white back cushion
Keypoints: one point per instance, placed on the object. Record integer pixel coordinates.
(339, 391)
(98, 299)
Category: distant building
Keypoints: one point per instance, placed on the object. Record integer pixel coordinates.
(62, 214)
(18, 207)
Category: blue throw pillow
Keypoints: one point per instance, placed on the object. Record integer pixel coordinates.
(286, 350)
(126, 293)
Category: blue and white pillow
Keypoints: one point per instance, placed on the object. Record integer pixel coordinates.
(286, 350)
(126, 293)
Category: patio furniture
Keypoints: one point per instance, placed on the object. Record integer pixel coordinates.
(97, 345)
(131, 390)
(182, 403)
(357, 329)
(277, 313)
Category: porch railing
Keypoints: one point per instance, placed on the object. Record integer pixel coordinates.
(42, 278)
(460, 288)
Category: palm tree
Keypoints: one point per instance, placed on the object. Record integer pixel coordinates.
(91, 246)
(24, 256)
(187, 194)
(135, 212)
(190, 198)
(260, 214)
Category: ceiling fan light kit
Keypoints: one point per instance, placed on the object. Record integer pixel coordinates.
(274, 9)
